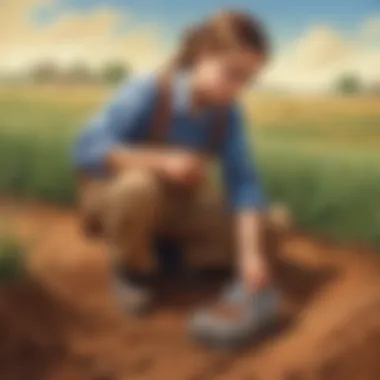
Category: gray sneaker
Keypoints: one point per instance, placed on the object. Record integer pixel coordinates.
(236, 317)
(132, 297)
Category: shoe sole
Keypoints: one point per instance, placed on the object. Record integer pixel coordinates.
(235, 343)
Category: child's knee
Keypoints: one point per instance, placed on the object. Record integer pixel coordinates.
(134, 187)
(133, 201)
(279, 218)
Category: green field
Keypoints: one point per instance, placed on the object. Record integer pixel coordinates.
(319, 155)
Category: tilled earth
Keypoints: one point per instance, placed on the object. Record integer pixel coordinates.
(61, 324)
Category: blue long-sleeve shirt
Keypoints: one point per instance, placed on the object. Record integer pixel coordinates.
(126, 120)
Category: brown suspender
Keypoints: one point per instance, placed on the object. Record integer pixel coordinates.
(218, 131)
(162, 113)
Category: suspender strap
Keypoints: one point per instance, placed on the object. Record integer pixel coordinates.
(162, 109)
(217, 131)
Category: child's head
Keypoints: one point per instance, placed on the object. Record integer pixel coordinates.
(224, 53)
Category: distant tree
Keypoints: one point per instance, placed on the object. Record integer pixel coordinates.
(79, 72)
(114, 72)
(349, 84)
(374, 88)
(45, 72)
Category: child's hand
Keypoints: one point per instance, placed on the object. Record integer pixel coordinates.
(183, 168)
(254, 272)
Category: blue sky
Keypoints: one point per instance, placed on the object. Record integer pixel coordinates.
(286, 19)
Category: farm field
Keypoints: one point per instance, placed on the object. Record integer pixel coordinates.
(319, 155)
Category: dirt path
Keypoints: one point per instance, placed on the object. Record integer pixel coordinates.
(62, 325)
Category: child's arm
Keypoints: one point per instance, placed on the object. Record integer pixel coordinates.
(245, 197)
(118, 124)
(176, 165)
(251, 263)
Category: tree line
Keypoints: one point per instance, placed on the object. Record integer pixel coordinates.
(111, 72)
(352, 84)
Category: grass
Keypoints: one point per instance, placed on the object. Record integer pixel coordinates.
(319, 155)
(12, 264)
(36, 166)
(333, 192)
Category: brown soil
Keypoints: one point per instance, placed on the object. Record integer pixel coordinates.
(62, 324)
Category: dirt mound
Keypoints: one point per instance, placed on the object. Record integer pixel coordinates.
(61, 323)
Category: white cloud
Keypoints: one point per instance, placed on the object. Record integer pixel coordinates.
(319, 57)
(90, 37)
(371, 29)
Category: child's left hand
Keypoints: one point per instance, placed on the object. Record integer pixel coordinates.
(254, 272)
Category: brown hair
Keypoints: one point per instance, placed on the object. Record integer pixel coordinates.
(221, 31)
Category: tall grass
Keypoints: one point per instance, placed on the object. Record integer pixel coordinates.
(333, 192)
(325, 168)
(36, 166)
(12, 260)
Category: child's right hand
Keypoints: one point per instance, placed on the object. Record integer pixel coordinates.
(183, 168)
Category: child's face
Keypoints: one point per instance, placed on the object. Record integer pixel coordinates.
(222, 76)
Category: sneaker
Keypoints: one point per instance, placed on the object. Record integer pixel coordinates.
(133, 297)
(236, 317)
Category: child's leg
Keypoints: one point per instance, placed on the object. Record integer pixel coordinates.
(208, 242)
(132, 208)
(125, 209)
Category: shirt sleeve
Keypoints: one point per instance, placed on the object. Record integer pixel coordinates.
(120, 121)
(240, 176)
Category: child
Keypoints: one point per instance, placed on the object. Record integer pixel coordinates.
(141, 166)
